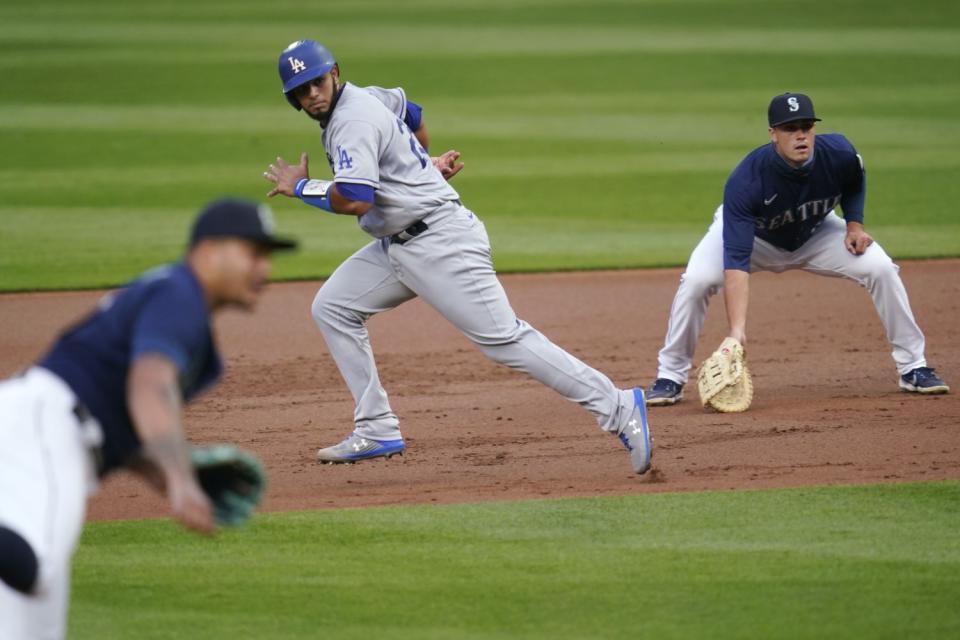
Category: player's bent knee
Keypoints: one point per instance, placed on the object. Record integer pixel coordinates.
(500, 347)
(323, 310)
(877, 266)
(499, 352)
(18, 562)
(701, 285)
(887, 269)
(319, 306)
(331, 316)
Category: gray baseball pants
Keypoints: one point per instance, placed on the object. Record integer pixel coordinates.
(450, 267)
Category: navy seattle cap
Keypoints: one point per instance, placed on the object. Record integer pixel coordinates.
(236, 218)
(790, 107)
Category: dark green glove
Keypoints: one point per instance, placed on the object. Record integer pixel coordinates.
(233, 479)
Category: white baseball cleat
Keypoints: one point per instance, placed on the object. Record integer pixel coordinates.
(356, 448)
(635, 434)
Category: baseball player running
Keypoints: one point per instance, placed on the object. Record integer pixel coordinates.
(427, 244)
(778, 213)
(107, 395)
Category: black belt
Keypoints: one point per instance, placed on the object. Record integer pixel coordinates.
(409, 233)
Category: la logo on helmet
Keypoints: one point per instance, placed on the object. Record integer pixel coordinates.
(297, 65)
(794, 105)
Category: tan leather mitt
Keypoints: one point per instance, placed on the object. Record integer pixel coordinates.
(724, 380)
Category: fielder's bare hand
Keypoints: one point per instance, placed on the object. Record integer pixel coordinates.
(188, 502)
(286, 176)
(447, 164)
(857, 240)
(190, 505)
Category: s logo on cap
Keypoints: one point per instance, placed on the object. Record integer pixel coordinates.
(794, 105)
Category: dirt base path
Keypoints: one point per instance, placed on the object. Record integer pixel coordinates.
(827, 408)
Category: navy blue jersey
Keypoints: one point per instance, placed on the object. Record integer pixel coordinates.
(767, 198)
(162, 312)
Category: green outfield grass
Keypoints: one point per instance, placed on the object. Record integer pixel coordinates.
(842, 562)
(596, 134)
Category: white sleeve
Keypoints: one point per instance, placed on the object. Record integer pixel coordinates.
(354, 147)
(393, 99)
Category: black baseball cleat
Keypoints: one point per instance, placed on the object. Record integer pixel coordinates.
(923, 380)
(663, 392)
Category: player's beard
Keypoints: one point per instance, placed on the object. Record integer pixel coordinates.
(324, 117)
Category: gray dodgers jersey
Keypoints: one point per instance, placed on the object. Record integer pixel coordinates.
(367, 143)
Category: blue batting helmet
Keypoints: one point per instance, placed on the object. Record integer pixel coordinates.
(300, 63)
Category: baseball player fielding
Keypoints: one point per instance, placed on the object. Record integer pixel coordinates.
(779, 213)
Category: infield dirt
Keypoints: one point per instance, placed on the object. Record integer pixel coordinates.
(827, 409)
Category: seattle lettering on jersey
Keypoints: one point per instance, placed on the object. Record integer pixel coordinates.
(815, 209)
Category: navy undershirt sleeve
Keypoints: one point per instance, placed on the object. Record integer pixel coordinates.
(172, 324)
(738, 226)
(854, 195)
(356, 192)
(414, 116)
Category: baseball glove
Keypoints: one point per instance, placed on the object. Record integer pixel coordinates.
(233, 479)
(724, 379)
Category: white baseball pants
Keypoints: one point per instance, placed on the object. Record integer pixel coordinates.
(823, 254)
(47, 473)
(450, 267)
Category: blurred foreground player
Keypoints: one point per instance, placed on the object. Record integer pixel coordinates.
(109, 394)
